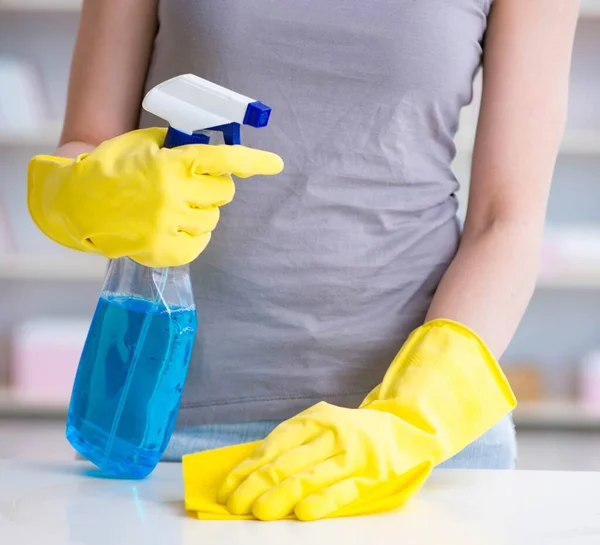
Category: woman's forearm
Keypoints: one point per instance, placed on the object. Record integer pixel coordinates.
(109, 65)
(108, 70)
(490, 281)
(527, 60)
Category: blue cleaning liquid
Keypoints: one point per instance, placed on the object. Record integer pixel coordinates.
(126, 397)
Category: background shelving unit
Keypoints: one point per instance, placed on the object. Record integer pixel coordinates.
(553, 416)
(41, 280)
(37, 278)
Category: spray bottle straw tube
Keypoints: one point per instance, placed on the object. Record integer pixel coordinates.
(133, 367)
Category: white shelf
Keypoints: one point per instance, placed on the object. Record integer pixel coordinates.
(581, 143)
(41, 5)
(575, 142)
(556, 416)
(46, 136)
(11, 406)
(590, 9)
(542, 416)
(88, 268)
(583, 280)
(49, 267)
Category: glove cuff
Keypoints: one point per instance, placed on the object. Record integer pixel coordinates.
(446, 382)
(45, 174)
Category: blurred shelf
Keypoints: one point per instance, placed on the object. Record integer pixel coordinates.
(41, 5)
(581, 143)
(11, 406)
(556, 416)
(575, 142)
(590, 8)
(49, 267)
(551, 416)
(583, 280)
(47, 136)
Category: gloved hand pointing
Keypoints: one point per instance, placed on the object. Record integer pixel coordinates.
(131, 197)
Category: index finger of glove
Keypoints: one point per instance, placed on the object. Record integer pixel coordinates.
(239, 161)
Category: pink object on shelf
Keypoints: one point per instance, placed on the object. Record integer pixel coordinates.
(45, 355)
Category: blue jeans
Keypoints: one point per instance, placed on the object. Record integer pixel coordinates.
(496, 449)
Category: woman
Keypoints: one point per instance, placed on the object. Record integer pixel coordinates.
(314, 279)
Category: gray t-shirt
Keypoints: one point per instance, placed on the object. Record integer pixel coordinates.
(314, 278)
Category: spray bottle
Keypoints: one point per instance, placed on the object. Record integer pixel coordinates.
(132, 370)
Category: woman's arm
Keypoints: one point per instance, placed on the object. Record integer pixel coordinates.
(525, 86)
(110, 61)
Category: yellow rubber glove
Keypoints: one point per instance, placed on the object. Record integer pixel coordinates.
(131, 197)
(443, 390)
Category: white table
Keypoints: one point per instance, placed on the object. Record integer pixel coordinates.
(51, 504)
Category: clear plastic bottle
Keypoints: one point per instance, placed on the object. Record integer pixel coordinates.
(133, 367)
(130, 378)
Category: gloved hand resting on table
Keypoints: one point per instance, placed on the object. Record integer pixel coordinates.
(131, 197)
(443, 390)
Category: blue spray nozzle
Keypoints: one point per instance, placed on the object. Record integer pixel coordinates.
(257, 115)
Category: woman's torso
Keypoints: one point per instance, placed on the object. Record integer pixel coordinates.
(314, 278)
